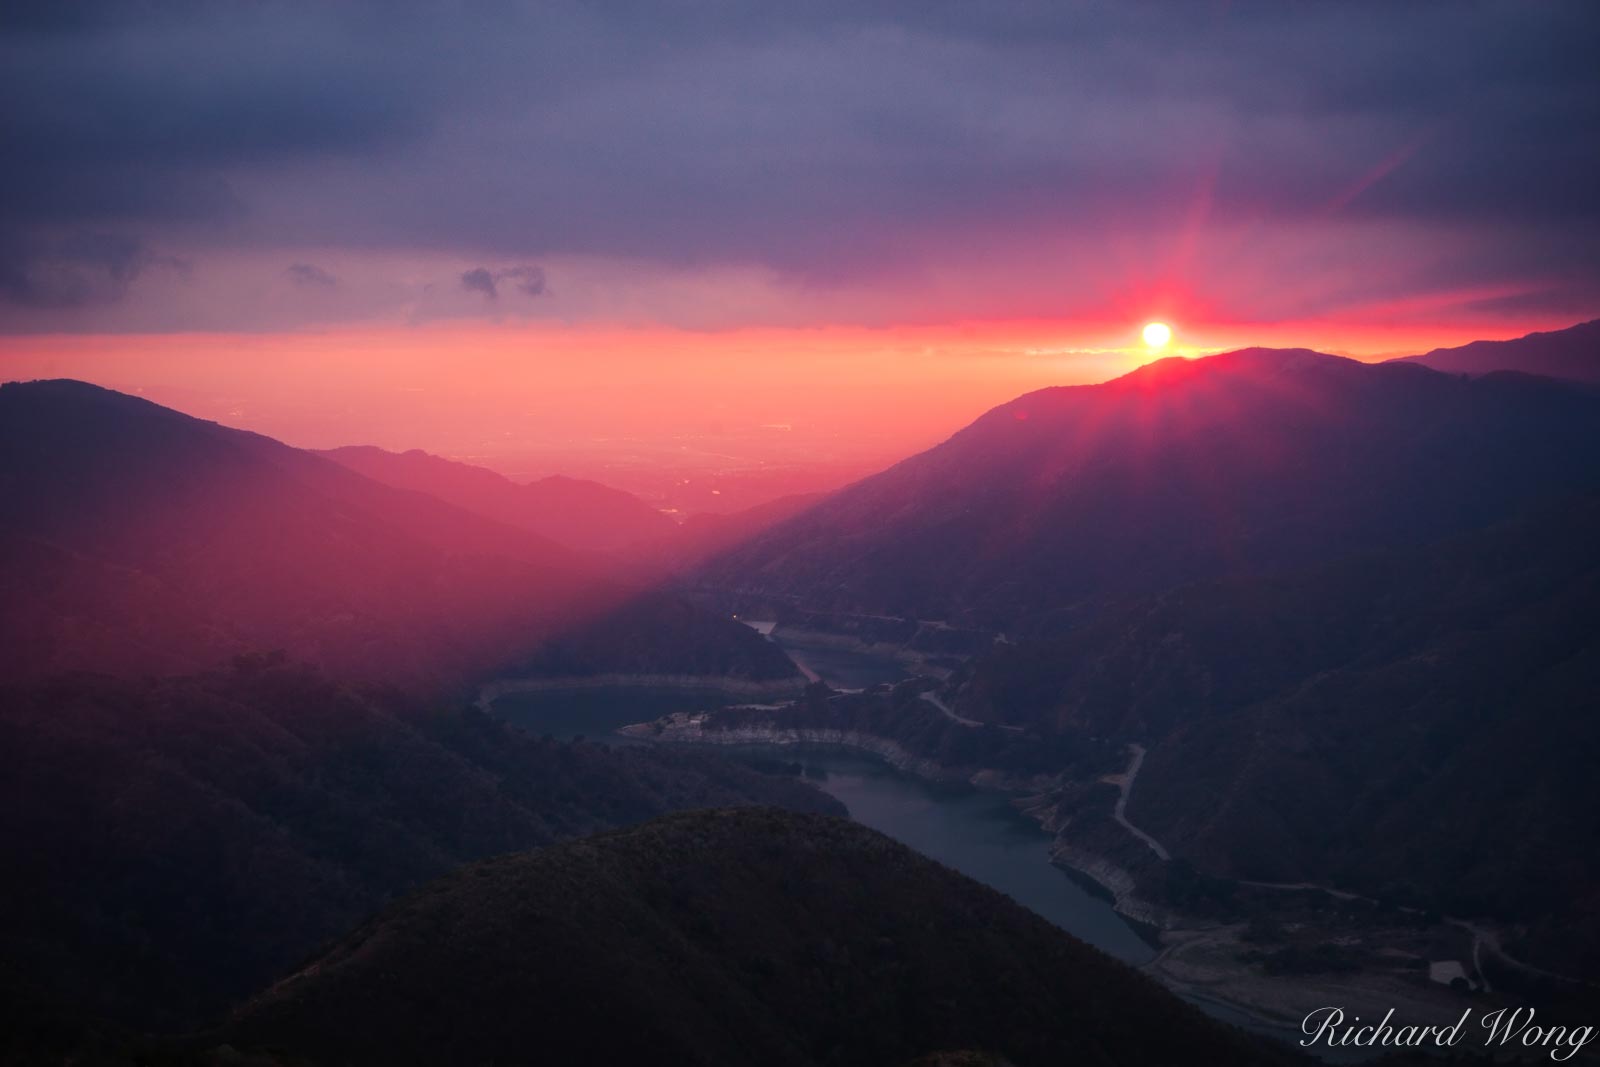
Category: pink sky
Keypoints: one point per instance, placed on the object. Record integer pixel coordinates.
(764, 249)
(767, 409)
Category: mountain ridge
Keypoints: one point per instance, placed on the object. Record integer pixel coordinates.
(206, 541)
(1180, 470)
(1572, 353)
(173, 845)
(574, 512)
(733, 937)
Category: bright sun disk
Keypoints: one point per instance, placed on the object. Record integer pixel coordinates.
(1157, 334)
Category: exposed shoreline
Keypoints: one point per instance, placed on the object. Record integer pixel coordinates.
(780, 688)
(928, 663)
(1195, 958)
(1117, 884)
(687, 729)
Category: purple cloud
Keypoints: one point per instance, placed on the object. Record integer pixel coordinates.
(832, 145)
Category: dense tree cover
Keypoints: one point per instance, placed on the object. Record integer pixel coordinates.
(739, 937)
(168, 846)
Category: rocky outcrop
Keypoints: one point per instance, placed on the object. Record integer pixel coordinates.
(1100, 868)
(779, 688)
(1117, 880)
(692, 728)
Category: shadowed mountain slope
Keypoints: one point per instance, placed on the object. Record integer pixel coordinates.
(170, 847)
(738, 937)
(139, 540)
(1245, 462)
(1573, 353)
(1417, 724)
(579, 514)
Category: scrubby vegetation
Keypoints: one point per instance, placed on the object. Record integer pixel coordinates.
(172, 845)
(751, 936)
(1417, 726)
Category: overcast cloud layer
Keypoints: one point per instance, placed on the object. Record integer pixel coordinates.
(268, 165)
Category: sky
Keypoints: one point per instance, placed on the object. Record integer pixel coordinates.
(598, 236)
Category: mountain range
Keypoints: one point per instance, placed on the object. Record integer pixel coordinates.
(1573, 354)
(140, 540)
(1348, 612)
(1245, 462)
(582, 515)
(1414, 725)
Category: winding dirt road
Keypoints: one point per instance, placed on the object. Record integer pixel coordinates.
(1124, 784)
(933, 698)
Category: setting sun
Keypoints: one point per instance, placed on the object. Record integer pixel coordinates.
(1157, 334)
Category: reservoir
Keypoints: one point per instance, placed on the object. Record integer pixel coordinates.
(976, 832)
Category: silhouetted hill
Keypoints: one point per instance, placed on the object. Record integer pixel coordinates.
(1246, 462)
(660, 634)
(1573, 353)
(138, 539)
(168, 847)
(579, 514)
(741, 937)
(706, 533)
(582, 515)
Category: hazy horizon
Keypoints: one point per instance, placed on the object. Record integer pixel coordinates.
(688, 446)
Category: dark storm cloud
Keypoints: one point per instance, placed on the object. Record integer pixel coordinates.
(110, 117)
(311, 276)
(529, 281)
(77, 270)
(825, 141)
(479, 280)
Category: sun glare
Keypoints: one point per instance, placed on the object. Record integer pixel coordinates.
(1157, 334)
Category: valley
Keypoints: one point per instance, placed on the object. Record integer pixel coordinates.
(1254, 954)
(870, 534)
(980, 825)
(1263, 780)
(978, 832)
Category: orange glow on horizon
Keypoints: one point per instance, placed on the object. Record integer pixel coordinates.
(856, 396)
